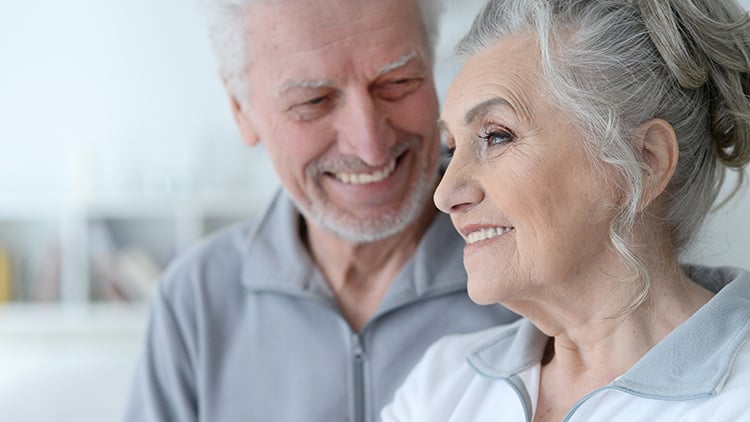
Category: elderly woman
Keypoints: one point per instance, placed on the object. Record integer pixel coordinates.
(590, 139)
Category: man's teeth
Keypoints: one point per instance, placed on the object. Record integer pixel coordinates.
(362, 178)
(487, 233)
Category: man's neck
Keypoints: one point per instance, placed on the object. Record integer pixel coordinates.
(359, 274)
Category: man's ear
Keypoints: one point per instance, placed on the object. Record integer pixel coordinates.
(659, 149)
(247, 129)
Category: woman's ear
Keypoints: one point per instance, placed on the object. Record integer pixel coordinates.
(657, 144)
(247, 129)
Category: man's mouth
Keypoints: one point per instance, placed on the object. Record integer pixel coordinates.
(364, 178)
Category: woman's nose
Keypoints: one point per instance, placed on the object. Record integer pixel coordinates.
(458, 191)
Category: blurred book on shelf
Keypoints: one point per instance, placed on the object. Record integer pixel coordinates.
(120, 273)
(46, 274)
(6, 278)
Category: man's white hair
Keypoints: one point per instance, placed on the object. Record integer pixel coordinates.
(225, 20)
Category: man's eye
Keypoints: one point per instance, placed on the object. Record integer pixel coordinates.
(316, 101)
(312, 109)
(398, 88)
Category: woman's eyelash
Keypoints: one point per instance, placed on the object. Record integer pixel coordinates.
(491, 134)
(487, 135)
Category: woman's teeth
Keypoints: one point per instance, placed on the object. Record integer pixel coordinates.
(486, 233)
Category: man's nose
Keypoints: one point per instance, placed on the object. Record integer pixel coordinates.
(364, 130)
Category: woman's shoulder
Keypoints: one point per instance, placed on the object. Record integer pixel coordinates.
(447, 362)
(440, 380)
(455, 349)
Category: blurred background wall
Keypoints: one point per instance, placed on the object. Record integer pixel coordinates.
(118, 150)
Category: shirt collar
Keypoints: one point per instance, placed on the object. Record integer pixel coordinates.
(278, 261)
(275, 257)
(693, 361)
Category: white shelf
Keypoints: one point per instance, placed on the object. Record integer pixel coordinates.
(38, 320)
(111, 248)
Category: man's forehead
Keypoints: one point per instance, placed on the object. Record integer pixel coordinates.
(313, 23)
(403, 61)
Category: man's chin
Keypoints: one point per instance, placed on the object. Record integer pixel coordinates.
(366, 228)
(372, 224)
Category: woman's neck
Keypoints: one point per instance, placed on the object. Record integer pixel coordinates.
(591, 345)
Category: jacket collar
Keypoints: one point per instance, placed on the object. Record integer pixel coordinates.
(695, 359)
(277, 260)
(692, 361)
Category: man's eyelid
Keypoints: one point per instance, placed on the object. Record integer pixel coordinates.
(398, 82)
(311, 100)
(403, 82)
(394, 90)
(308, 110)
(316, 100)
(409, 71)
(302, 94)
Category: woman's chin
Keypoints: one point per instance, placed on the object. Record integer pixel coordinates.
(482, 294)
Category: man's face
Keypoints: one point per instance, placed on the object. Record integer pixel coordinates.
(342, 96)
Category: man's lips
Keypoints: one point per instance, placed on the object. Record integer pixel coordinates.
(364, 178)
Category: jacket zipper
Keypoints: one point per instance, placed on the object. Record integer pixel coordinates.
(359, 379)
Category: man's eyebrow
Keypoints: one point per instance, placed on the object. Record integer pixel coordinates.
(297, 84)
(480, 109)
(400, 62)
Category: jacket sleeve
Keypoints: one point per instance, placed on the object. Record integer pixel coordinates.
(164, 384)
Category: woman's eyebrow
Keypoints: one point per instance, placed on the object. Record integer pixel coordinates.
(481, 109)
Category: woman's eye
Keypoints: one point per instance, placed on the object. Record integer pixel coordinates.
(497, 137)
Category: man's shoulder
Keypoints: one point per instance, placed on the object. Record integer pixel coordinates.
(219, 256)
(212, 259)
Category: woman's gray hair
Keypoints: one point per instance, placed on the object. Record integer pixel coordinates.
(614, 64)
(225, 20)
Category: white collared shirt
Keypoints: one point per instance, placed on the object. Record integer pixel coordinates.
(699, 372)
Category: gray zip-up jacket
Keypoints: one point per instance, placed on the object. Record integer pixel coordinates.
(245, 328)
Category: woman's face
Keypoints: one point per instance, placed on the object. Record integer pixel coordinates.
(520, 188)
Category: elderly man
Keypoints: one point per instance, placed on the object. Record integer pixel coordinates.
(318, 309)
